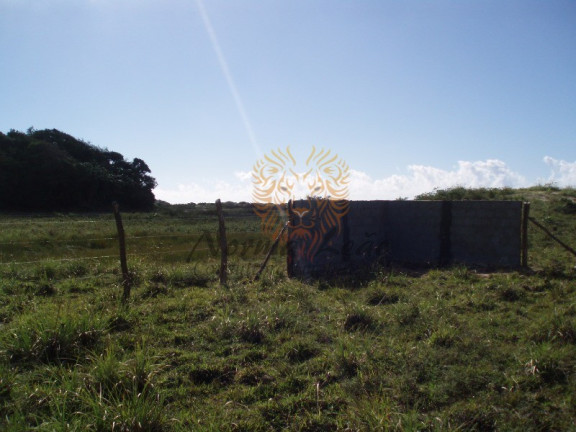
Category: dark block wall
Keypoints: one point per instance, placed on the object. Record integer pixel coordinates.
(430, 233)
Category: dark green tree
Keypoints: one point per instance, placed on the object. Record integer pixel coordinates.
(48, 170)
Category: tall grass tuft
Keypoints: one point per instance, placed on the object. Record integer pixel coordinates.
(120, 395)
(47, 336)
(360, 319)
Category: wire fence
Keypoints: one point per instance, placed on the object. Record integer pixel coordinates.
(29, 245)
(174, 239)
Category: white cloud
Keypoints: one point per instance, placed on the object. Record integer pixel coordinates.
(419, 179)
(243, 175)
(209, 191)
(563, 173)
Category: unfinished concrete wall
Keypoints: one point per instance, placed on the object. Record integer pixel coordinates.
(430, 233)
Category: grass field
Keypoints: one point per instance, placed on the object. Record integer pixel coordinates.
(437, 349)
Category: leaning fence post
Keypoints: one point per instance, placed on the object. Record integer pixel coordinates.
(270, 252)
(223, 244)
(524, 234)
(552, 236)
(126, 281)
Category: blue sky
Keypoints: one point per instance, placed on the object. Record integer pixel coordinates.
(413, 95)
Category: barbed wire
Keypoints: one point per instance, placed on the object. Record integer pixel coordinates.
(56, 241)
(30, 221)
(102, 238)
(76, 242)
(48, 260)
(127, 218)
(65, 241)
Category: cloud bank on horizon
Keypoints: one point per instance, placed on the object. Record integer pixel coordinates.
(492, 173)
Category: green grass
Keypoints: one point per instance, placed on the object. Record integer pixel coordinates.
(441, 349)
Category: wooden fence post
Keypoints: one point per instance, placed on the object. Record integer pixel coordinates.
(524, 234)
(223, 244)
(126, 280)
(270, 252)
(289, 252)
(552, 236)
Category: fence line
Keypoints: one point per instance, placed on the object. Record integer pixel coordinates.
(56, 241)
(49, 260)
(29, 221)
(99, 257)
(46, 260)
(207, 218)
(114, 238)
(201, 225)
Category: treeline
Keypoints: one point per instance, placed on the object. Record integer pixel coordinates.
(48, 170)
